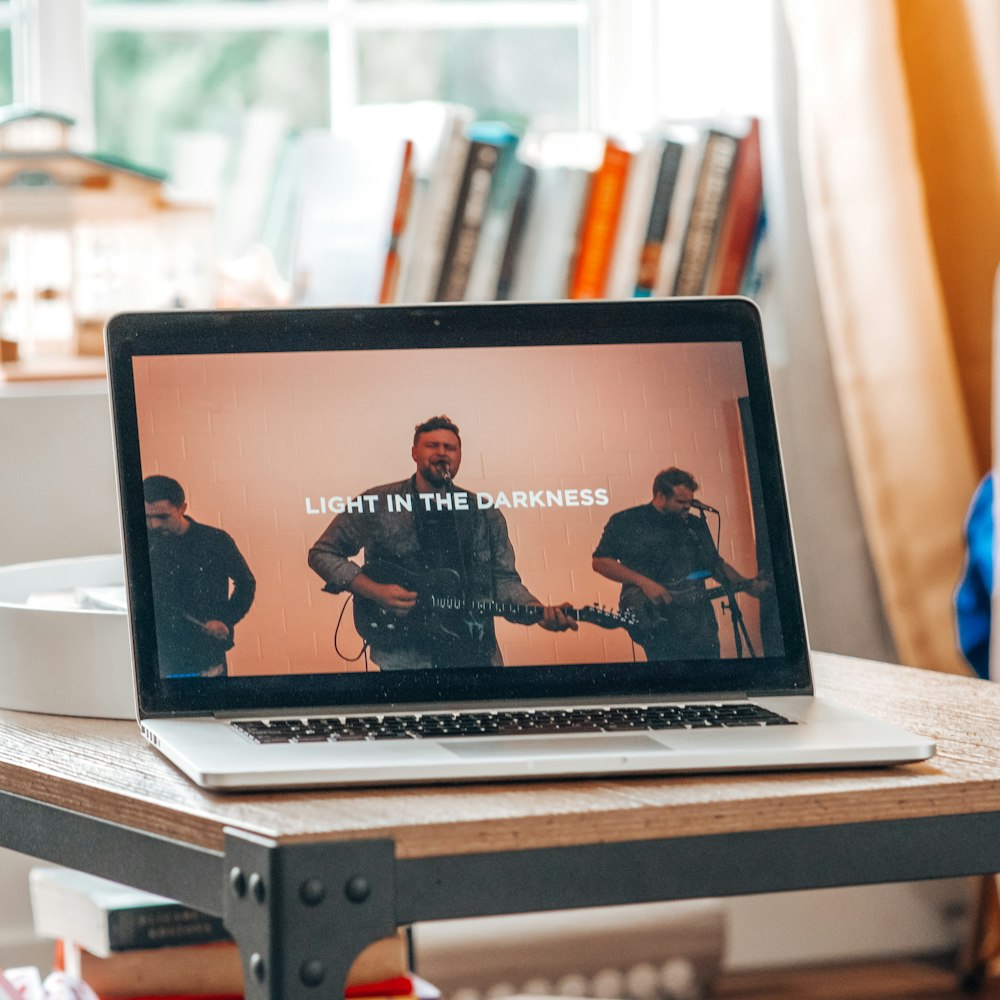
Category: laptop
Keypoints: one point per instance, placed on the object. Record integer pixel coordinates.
(463, 542)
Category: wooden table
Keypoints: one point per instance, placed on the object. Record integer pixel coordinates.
(305, 879)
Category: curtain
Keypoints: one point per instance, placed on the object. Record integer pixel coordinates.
(900, 146)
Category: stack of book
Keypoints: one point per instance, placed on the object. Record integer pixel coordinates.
(125, 943)
(473, 211)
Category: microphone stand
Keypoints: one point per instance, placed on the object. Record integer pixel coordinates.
(741, 635)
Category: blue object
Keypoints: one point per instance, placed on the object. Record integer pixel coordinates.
(972, 598)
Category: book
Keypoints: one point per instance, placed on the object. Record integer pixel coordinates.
(390, 275)
(348, 187)
(471, 202)
(514, 236)
(551, 229)
(756, 274)
(633, 222)
(740, 221)
(199, 970)
(484, 274)
(648, 263)
(442, 147)
(600, 223)
(106, 917)
(707, 208)
(679, 211)
(215, 968)
(203, 971)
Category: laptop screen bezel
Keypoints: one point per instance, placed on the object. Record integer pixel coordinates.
(382, 328)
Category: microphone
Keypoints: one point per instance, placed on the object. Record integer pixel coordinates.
(698, 505)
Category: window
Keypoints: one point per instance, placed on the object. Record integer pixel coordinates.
(155, 91)
(151, 79)
(141, 77)
(6, 70)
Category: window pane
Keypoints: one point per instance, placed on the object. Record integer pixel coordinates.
(150, 86)
(6, 88)
(567, 2)
(171, 3)
(513, 74)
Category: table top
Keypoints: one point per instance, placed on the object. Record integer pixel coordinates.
(105, 769)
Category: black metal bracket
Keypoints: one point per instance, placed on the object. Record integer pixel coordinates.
(112, 850)
(300, 913)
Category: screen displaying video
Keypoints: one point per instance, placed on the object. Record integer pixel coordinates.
(388, 510)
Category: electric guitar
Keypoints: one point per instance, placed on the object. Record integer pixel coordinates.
(685, 593)
(443, 616)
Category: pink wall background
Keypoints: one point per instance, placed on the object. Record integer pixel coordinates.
(250, 437)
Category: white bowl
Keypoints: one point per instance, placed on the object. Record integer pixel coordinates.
(63, 660)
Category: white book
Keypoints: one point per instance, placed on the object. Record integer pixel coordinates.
(348, 187)
(634, 220)
(104, 917)
(551, 234)
(564, 164)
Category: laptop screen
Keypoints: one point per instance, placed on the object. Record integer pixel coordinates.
(452, 509)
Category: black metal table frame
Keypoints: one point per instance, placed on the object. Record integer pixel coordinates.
(300, 912)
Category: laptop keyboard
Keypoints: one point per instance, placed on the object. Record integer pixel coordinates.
(508, 723)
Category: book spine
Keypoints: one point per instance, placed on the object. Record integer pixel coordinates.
(600, 224)
(438, 212)
(634, 219)
(160, 926)
(740, 221)
(470, 209)
(400, 215)
(659, 213)
(485, 270)
(756, 273)
(706, 213)
(515, 233)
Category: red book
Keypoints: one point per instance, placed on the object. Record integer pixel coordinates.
(398, 986)
(600, 223)
(739, 223)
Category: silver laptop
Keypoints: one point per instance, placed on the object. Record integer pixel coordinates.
(457, 542)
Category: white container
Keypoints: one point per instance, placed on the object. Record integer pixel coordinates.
(63, 660)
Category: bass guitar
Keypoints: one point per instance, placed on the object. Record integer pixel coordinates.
(442, 615)
(646, 616)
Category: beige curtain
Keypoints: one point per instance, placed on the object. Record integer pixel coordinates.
(899, 142)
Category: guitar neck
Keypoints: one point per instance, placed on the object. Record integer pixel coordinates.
(733, 588)
(487, 607)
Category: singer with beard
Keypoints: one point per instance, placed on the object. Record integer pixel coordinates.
(663, 556)
(427, 534)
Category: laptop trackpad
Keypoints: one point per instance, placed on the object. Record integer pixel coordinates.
(557, 746)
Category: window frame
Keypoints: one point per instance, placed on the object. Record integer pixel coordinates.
(51, 48)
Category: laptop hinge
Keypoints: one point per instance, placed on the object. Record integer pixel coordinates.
(397, 708)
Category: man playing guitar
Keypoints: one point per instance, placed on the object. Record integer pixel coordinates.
(661, 555)
(429, 535)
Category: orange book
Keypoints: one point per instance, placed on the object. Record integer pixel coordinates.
(740, 220)
(600, 223)
(215, 970)
(390, 276)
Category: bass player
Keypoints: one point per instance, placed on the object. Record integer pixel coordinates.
(662, 556)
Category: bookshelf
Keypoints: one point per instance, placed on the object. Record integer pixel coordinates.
(420, 202)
